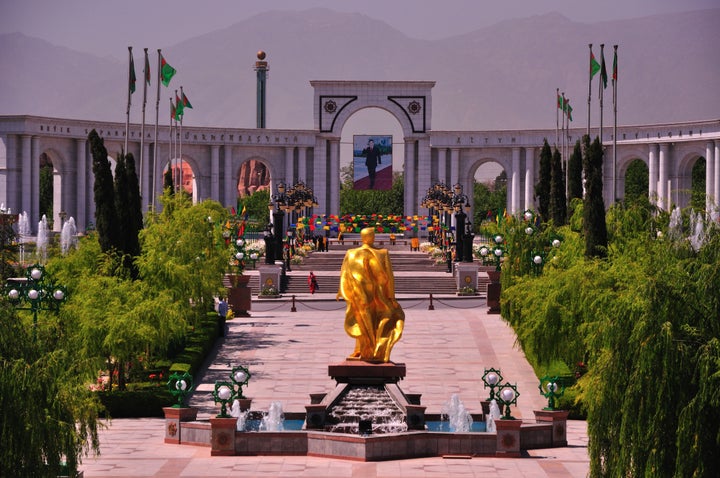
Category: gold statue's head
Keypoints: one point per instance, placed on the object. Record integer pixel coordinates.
(368, 235)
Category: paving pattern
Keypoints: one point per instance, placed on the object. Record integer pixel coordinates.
(445, 351)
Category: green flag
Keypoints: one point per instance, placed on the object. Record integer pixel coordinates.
(568, 109)
(132, 75)
(147, 67)
(185, 101)
(172, 109)
(166, 71)
(603, 71)
(594, 65)
(614, 70)
(560, 103)
(178, 108)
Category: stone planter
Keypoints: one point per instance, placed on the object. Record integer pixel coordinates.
(239, 295)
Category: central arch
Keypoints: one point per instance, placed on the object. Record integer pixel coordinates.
(410, 102)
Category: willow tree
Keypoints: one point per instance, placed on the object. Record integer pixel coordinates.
(49, 417)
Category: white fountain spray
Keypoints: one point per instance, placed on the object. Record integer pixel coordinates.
(492, 416)
(23, 233)
(459, 418)
(697, 231)
(68, 236)
(273, 419)
(42, 240)
(675, 227)
(240, 415)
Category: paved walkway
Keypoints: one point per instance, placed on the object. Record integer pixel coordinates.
(445, 351)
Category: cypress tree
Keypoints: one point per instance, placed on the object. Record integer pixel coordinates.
(542, 188)
(575, 187)
(558, 204)
(104, 194)
(594, 225)
(134, 204)
(168, 182)
(121, 206)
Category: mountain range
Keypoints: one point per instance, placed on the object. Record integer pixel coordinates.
(500, 77)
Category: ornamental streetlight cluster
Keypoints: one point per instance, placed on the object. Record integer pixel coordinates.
(35, 292)
(506, 393)
(180, 385)
(227, 391)
(298, 199)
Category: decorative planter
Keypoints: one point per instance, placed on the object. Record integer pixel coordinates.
(239, 295)
(493, 292)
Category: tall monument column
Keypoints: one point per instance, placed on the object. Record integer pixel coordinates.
(261, 66)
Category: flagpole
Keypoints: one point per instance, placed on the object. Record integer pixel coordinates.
(590, 75)
(155, 145)
(614, 81)
(600, 84)
(127, 112)
(171, 151)
(557, 121)
(146, 72)
(563, 152)
(182, 98)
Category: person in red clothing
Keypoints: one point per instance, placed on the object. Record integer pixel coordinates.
(312, 283)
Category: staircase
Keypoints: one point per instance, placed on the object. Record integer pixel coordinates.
(415, 273)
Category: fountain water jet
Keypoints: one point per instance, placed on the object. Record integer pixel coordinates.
(492, 416)
(42, 239)
(458, 417)
(273, 419)
(68, 236)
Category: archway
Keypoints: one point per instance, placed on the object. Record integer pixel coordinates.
(636, 180)
(182, 177)
(691, 180)
(489, 194)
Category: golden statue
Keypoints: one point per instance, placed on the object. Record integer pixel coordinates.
(373, 317)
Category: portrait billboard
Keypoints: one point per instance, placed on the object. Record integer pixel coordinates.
(372, 162)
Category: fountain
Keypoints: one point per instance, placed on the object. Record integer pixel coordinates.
(240, 415)
(366, 416)
(494, 414)
(68, 236)
(458, 417)
(697, 231)
(273, 419)
(675, 227)
(23, 233)
(42, 240)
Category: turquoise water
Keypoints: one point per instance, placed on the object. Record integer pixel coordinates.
(443, 426)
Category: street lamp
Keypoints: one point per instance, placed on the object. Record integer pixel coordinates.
(491, 378)
(549, 389)
(180, 386)
(37, 291)
(508, 396)
(223, 393)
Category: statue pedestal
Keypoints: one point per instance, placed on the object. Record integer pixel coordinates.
(373, 382)
(270, 276)
(467, 275)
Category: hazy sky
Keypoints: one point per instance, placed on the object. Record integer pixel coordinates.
(106, 27)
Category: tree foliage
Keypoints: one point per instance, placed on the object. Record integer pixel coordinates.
(644, 320)
(558, 203)
(104, 193)
(594, 206)
(542, 188)
(353, 201)
(48, 414)
(574, 173)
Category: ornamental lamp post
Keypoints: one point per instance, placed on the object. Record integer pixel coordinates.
(223, 393)
(180, 385)
(491, 378)
(36, 290)
(508, 396)
(549, 389)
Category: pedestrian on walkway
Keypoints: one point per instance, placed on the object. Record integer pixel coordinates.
(312, 283)
(222, 310)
